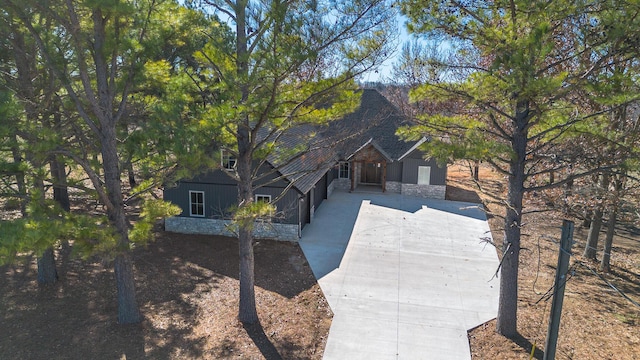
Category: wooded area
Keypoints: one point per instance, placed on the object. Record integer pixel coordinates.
(545, 92)
(154, 90)
(103, 102)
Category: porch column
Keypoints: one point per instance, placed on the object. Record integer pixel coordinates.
(353, 175)
(384, 176)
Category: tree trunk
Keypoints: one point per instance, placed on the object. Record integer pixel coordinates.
(568, 190)
(605, 263)
(20, 181)
(591, 247)
(508, 300)
(131, 175)
(588, 214)
(128, 311)
(47, 273)
(103, 108)
(618, 182)
(58, 169)
(60, 189)
(476, 171)
(247, 312)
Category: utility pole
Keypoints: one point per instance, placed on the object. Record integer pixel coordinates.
(559, 285)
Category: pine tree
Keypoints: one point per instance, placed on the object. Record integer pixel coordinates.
(519, 68)
(291, 63)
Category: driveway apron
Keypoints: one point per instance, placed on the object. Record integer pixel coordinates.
(405, 277)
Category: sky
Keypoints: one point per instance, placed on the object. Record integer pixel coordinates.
(383, 73)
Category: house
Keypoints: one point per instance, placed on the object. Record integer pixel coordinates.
(365, 153)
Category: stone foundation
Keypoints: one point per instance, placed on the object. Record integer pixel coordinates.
(262, 230)
(394, 187)
(425, 191)
(330, 188)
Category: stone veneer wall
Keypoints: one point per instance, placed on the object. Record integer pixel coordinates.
(426, 191)
(266, 230)
(331, 187)
(342, 184)
(394, 187)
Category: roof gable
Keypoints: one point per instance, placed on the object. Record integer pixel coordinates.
(374, 123)
(370, 144)
(376, 120)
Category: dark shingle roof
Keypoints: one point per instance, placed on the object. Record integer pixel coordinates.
(374, 123)
(376, 120)
(302, 156)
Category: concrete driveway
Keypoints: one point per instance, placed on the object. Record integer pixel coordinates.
(405, 277)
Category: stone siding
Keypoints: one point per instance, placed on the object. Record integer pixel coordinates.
(425, 191)
(358, 173)
(331, 187)
(341, 184)
(262, 230)
(394, 187)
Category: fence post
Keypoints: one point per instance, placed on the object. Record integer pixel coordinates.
(559, 285)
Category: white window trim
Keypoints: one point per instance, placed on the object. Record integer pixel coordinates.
(229, 158)
(429, 173)
(348, 164)
(191, 203)
(258, 196)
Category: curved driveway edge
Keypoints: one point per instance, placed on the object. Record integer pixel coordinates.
(405, 277)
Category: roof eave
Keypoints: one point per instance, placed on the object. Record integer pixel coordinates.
(376, 146)
(413, 148)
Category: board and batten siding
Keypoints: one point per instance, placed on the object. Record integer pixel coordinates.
(320, 192)
(410, 169)
(219, 197)
(394, 171)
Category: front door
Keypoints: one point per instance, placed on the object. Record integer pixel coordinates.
(371, 173)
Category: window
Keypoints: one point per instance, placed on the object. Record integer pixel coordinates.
(228, 160)
(263, 198)
(196, 203)
(343, 171)
(424, 175)
(266, 199)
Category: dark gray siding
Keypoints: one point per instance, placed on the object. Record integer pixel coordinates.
(220, 177)
(319, 191)
(221, 194)
(304, 209)
(212, 177)
(394, 171)
(332, 174)
(287, 205)
(217, 198)
(410, 169)
(415, 154)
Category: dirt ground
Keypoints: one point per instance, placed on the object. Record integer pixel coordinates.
(597, 321)
(187, 290)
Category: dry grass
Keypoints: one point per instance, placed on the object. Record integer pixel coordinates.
(597, 322)
(187, 289)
